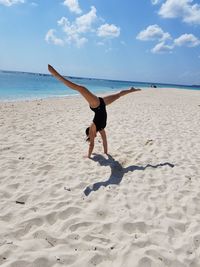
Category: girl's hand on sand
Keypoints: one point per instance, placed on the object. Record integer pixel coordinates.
(86, 157)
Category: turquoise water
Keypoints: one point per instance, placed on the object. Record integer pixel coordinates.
(22, 86)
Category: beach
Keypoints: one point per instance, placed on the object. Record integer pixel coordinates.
(139, 206)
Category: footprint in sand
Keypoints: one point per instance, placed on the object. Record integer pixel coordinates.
(63, 215)
(41, 262)
(134, 227)
(20, 263)
(83, 225)
(145, 262)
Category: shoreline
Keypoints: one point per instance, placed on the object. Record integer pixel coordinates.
(77, 95)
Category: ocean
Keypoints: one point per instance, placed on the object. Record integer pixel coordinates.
(16, 86)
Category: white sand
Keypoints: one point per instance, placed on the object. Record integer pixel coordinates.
(148, 214)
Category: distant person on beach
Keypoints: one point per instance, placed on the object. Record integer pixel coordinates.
(98, 105)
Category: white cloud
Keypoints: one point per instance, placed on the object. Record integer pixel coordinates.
(153, 32)
(81, 25)
(51, 38)
(77, 32)
(108, 30)
(72, 32)
(187, 40)
(85, 21)
(10, 2)
(73, 6)
(63, 21)
(185, 9)
(78, 40)
(162, 48)
(155, 2)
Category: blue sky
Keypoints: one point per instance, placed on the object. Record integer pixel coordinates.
(151, 40)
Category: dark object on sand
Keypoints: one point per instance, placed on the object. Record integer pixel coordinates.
(20, 202)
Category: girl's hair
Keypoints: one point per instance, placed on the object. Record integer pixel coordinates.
(87, 133)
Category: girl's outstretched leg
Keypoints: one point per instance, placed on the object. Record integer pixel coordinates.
(92, 99)
(111, 98)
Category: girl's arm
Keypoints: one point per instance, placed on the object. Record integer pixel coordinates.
(92, 135)
(104, 139)
(91, 147)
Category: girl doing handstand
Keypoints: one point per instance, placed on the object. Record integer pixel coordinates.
(98, 105)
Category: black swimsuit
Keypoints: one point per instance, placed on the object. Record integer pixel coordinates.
(100, 116)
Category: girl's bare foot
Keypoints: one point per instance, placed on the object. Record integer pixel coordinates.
(134, 89)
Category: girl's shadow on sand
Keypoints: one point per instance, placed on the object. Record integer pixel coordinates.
(117, 171)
